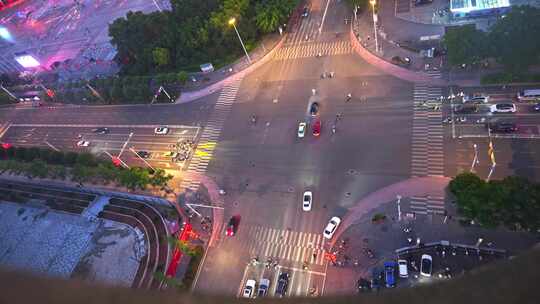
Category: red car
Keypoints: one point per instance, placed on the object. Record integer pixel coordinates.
(232, 226)
(317, 128)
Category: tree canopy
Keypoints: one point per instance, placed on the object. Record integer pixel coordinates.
(513, 202)
(511, 41)
(193, 32)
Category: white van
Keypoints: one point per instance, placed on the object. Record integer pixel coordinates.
(529, 95)
(402, 267)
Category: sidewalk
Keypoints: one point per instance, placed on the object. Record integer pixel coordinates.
(215, 80)
(416, 186)
(362, 39)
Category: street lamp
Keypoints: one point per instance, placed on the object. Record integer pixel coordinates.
(232, 22)
(373, 2)
(475, 160)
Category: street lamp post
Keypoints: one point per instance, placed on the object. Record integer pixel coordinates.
(373, 2)
(475, 160)
(232, 22)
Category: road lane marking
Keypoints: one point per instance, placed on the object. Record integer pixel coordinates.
(102, 125)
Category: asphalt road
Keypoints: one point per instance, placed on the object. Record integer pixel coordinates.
(515, 152)
(265, 167)
(128, 140)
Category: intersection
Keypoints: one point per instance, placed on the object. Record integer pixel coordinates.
(384, 134)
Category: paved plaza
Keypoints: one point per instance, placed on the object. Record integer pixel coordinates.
(62, 245)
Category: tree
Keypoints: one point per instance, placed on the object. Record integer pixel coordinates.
(162, 57)
(160, 178)
(513, 38)
(38, 168)
(81, 173)
(134, 178)
(270, 14)
(182, 77)
(465, 45)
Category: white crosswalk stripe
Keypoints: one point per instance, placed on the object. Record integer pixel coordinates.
(427, 132)
(427, 205)
(287, 245)
(211, 132)
(309, 27)
(312, 49)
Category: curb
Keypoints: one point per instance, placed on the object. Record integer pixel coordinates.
(414, 186)
(390, 68)
(193, 95)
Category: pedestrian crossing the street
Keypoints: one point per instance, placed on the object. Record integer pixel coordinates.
(427, 133)
(211, 132)
(308, 28)
(427, 205)
(289, 245)
(313, 49)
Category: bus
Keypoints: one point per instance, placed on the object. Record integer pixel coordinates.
(529, 95)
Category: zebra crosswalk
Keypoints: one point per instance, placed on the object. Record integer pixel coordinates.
(427, 133)
(427, 205)
(289, 245)
(313, 49)
(308, 28)
(210, 135)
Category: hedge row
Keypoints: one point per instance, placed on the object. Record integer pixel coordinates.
(80, 167)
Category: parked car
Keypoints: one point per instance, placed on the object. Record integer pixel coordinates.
(283, 283)
(101, 130)
(402, 61)
(476, 98)
(232, 225)
(363, 285)
(536, 107)
(249, 288)
(377, 278)
(422, 2)
(426, 265)
(143, 154)
(263, 288)
(83, 143)
(331, 227)
(306, 201)
(503, 127)
(403, 269)
(161, 130)
(389, 274)
(503, 108)
(302, 129)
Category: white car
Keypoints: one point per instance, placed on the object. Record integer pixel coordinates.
(331, 227)
(161, 130)
(426, 265)
(402, 267)
(83, 143)
(249, 289)
(476, 98)
(306, 202)
(503, 108)
(302, 129)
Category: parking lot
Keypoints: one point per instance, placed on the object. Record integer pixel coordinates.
(302, 283)
(138, 145)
